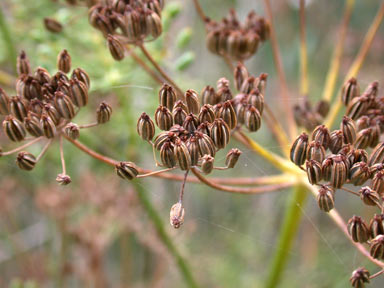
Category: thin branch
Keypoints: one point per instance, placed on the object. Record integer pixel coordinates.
(181, 195)
(21, 147)
(200, 11)
(45, 149)
(303, 52)
(88, 125)
(153, 173)
(376, 274)
(62, 156)
(350, 191)
(334, 67)
(358, 62)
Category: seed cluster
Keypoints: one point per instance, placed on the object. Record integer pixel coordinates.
(308, 116)
(350, 161)
(235, 40)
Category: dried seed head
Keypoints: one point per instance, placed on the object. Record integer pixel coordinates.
(23, 66)
(176, 216)
(228, 114)
(369, 196)
(163, 118)
(192, 100)
(63, 179)
(358, 229)
(256, 99)
(336, 141)
(232, 157)
(116, 48)
(321, 134)
(315, 151)
(32, 125)
(314, 172)
(182, 155)
(64, 105)
(240, 74)
(209, 96)
(64, 61)
(348, 128)
(4, 102)
(350, 90)
(82, 76)
(299, 149)
(359, 277)
(205, 144)
(376, 226)
(206, 114)
(359, 173)
(252, 119)
(378, 182)
(103, 113)
(220, 133)
(167, 96)
(18, 107)
(207, 163)
(377, 247)
(326, 198)
(72, 131)
(167, 154)
(53, 25)
(14, 129)
(126, 170)
(377, 155)
(49, 128)
(26, 161)
(339, 171)
(79, 92)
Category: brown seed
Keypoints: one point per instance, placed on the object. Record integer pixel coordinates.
(220, 133)
(228, 114)
(232, 157)
(240, 74)
(32, 125)
(336, 141)
(167, 154)
(182, 155)
(359, 173)
(375, 136)
(145, 127)
(167, 96)
(52, 112)
(64, 61)
(190, 123)
(116, 48)
(192, 100)
(209, 96)
(52, 25)
(163, 118)
(82, 76)
(18, 107)
(207, 163)
(4, 102)
(42, 76)
(377, 247)
(63, 179)
(224, 94)
(206, 114)
(357, 155)
(376, 226)
(350, 90)
(249, 84)
(369, 196)
(348, 128)
(378, 182)
(64, 105)
(299, 149)
(256, 99)
(23, 66)
(126, 170)
(26, 161)
(103, 113)
(325, 198)
(13, 128)
(339, 171)
(321, 134)
(315, 151)
(314, 172)
(377, 155)
(78, 92)
(164, 137)
(176, 216)
(204, 128)
(72, 131)
(179, 115)
(359, 277)
(322, 108)
(193, 149)
(252, 119)
(327, 168)
(357, 107)
(363, 122)
(363, 139)
(205, 144)
(153, 23)
(49, 128)
(358, 230)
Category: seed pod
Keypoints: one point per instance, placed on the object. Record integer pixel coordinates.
(18, 107)
(82, 76)
(358, 107)
(57, 78)
(241, 111)
(363, 122)
(63, 179)
(377, 155)
(327, 168)
(315, 151)
(363, 139)
(206, 114)
(208, 96)
(32, 125)
(249, 84)
(372, 89)
(4, 102)
(167, 96)
(78, 92)
(240, 74)
(145, 127)
(64, 61)
(359, 277)
(72, 131)
(179, 115)
(49, 128)
(153, 23)
(193, 149)
(167, 154)
(115, 47)
(322, 108)
(376, 226)
(103, 113)
(205, 144)
(376, 168)
(232, 157)
(314, 172)
(326, 198)
(176, 216)
(252, 119)
(213, 41)
(228, 114)
(126, 170)
(369, 196)
(358, 229)
(346, 149)
(224, 94)
(357, 155)
(52, 25)
(23, 66)
(359, 173)
(256, 99)
(350, 90)
(192, 100)
(204, 128)
(26, 161)
(64, 105)
(13, 128)
(180, 104)
(336, 141)
(321, 134)
(220, 133)
(163, 118)
(52, 112)
(375, 136)
(182, 155)
(190, 123)
(348, 128)
(42, 76)
(339, 171)
(31, 88)
(377, 247)
(378, 182)
(299, 149)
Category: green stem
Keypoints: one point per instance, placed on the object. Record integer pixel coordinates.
(158, 223)
(8, 41)
(287, 235)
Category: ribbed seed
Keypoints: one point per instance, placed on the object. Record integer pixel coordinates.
(14, 129)
(378, 182)
(176, 215)
(79, 92)
(49, 128)
(232, 157)
(52, 112)
(369, 196)
(377, 155)
(193, 149)
(228, 114)
(220, 133)
(363, 139)
(23, 66)
(359, 277)
(357, 155)
(126, 170)
(207, 163)
(42, 76)
(299, 149)
(103, 113)
(18, 107)
(321, 134)
(64, 61)
(206, 114)
(376, 226)
(116, 48)
(327, 168)
(72, 131)
(153, 23)
(348, 128)
(256, 99)
(252, 119)
(336, 141)
(64, 105)
(32, 125)
(182, 155)
(339, 171)
(326, 198)
(179, 115)
(167, 96)
(192, 99)
(359, 173)
(145, 127)
(224, 94)
(82, 76)
(350, 90)
(357, 107)
(181, 104)
(208, 96)
(167, 154)
(26, 161)
(376, 168)
(358, 229)
(315, 151)
(249, 84)
(363, 122)
(314, 172)
(205, 144)
(190, 123)
(240, 74)
(4, 102)
(375, 136)
(377, 247)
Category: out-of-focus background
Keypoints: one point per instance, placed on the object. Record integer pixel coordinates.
(227, 239)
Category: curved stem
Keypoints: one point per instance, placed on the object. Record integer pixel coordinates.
(45, 149)
(358, 62)
(21, 147)
(334, 67)
(287, 235)
(376, 274)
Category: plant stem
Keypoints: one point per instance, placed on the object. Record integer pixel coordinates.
(158, 223)
(21, 147)
(287, 235)
(7, 38)
(200, 10)
(303, 52)
(334, 67)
